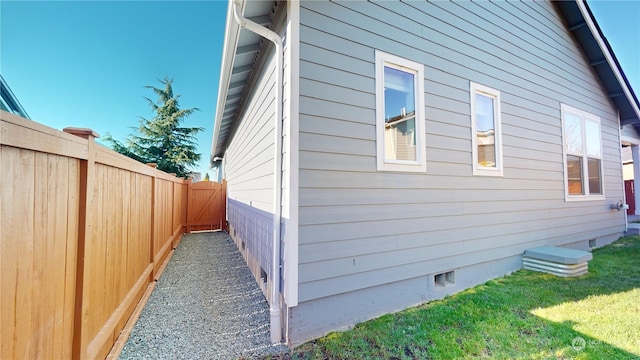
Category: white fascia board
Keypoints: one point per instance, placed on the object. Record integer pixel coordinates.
(231, 35)
(612, 64)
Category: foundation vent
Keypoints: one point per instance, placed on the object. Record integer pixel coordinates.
(444, 279)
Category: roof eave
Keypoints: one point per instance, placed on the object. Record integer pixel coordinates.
(613, 63)
(10, 100)
(231, 36)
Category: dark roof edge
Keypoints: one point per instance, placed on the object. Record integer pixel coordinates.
(613, 56)
(11, 100)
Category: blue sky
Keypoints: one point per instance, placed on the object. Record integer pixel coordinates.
(85, 63)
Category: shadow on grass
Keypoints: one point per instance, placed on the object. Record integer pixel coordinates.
(498, 319)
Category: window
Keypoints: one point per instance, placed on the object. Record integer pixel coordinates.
(486, 137)
(400, 134)
(582, 155)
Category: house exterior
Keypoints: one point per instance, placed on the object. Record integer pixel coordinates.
(403, 151)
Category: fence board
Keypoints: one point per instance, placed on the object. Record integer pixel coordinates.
(8, 251)
(65, 340)
(25, 276)
(39, 248)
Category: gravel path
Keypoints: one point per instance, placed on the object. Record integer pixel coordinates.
(206, 305)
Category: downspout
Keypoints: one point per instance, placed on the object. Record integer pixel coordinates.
(274, 304)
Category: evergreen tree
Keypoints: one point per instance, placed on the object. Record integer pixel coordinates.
(206, 177)
(162, 139)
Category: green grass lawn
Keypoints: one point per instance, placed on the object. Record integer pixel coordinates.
(526, 315)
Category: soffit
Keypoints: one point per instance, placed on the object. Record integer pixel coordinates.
(242, 51)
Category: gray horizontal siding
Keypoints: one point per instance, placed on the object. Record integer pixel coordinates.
(417, 217)
(347, 24)
(417, 252)
(360, 227)
(319, 252)
(249, 158)
(385, 273)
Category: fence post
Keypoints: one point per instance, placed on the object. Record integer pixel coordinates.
(81, 312)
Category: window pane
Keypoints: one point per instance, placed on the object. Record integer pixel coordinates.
(485, 131)
(595, 178)
(400, 110)
(574, 175)
(592, 129)
(573, 133)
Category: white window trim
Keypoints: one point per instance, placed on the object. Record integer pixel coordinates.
(497, 122)
(585, 174)
(420, 165)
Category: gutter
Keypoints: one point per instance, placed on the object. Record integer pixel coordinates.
(274, 293)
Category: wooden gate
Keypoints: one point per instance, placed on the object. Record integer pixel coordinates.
(207, 204)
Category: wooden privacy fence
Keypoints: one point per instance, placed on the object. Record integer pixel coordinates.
(84, 232)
